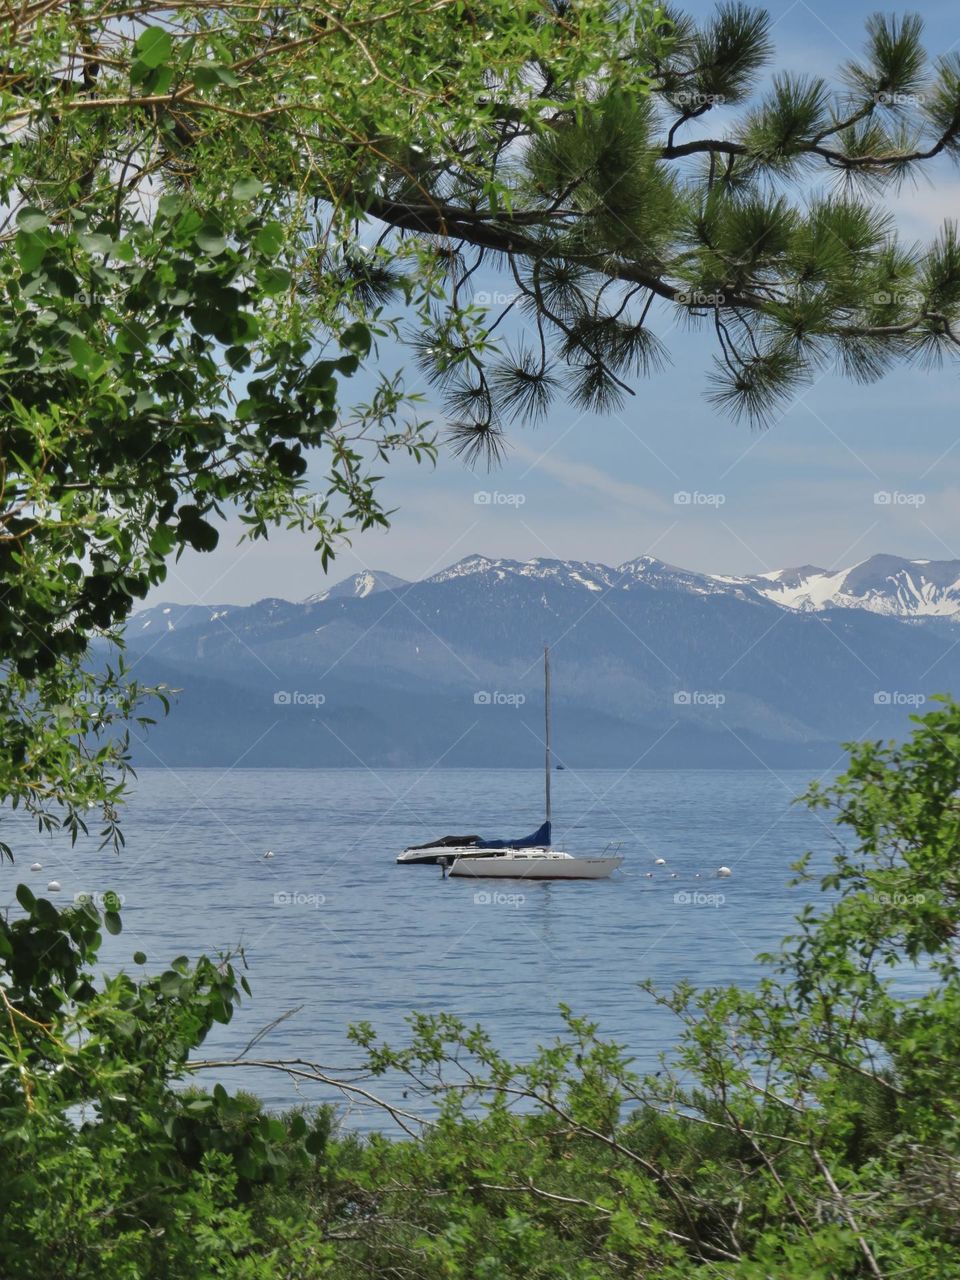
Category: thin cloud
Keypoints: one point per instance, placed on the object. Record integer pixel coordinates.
(586, 478)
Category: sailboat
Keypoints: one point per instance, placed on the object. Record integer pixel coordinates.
(529, 857)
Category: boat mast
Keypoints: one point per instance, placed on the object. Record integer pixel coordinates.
(546, 716)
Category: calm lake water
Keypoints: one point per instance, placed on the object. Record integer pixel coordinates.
(332, 924)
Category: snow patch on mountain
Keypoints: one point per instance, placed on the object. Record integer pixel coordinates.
(883, 584)
(467, 566)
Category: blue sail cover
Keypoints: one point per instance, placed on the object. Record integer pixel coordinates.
(539, 838)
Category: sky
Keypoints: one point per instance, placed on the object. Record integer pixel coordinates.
(847, 471)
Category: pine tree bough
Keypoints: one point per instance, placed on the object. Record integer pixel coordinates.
(609, 211)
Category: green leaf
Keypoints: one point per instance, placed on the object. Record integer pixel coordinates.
(244, 327)
(32, 219)
(169, 205)
(315, 1143)
(154, 47)
(25, 897)
(196, 531)
(158, 81)
(269, 239)
(272, 1128)
(96, 242)
(139, 957)
(356, 339)
(163, 540)
(273, 280)
(87, 361)
(247, 189)
(170, 983)
(31, 250)
(207, 74)
(112, 922)
(211, 240)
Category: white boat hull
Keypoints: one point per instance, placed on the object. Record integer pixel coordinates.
(547, 865)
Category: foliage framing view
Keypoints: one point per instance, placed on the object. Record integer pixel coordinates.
(211, 214)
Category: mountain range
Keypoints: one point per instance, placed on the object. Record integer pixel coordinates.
(883, 584)
(654, 666)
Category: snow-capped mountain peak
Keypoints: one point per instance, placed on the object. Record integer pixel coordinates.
(467, 566)
(592, 577)
(881, 584)
(358, 586)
